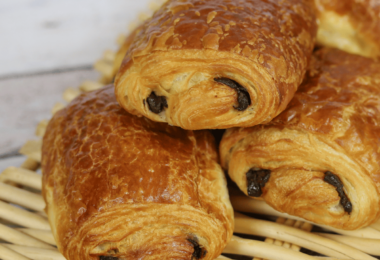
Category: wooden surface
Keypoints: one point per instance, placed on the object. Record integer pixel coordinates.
(47, 46)
(47, 35)
(25, 101)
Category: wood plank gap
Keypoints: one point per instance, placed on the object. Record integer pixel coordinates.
(10, 154)
(47, 72)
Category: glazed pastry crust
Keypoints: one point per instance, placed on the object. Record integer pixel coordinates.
(262, 45)
(120, 185)
(120, 54)
(332, 124)
(350, 25)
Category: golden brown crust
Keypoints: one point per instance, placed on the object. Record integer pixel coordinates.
(120, 54)
(351, 25)
(115, 181)
(262, 45)
(332, 124)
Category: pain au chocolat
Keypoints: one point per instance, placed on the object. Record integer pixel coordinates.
(320, 158)
(350, 25)
(120, 54)
(122, 187)
(216, 64)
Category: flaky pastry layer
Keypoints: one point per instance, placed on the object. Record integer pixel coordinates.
(322, 152)
(183, 51)
(121, 186)
(350, 25)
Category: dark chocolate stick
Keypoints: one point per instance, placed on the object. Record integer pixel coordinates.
(335, 181)
(256, 180)
(244, 99)
(102, 257)
(156, 103)
(199, 252)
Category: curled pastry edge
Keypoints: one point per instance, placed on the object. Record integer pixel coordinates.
(359, 189)
(76, 249)
(260, 86)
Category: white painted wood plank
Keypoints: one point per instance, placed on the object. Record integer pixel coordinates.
(44, 35)
(25, 101)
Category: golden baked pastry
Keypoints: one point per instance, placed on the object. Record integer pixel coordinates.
(350, 25)
(216, 64)
(320, 158)
(120, 54)
(122, 187)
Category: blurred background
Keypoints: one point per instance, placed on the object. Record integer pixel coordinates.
(47, 46)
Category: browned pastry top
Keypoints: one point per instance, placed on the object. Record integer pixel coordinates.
(340, 97)
(277, 35)
(120, 54)
(234, 26)
(228, 25)
(362, 15)
(154, 151)
(97, 158)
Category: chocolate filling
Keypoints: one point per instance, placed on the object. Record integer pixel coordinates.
(256, 181)
(199, 252)
(102, 257)
(244, 99)
(335, 181)
(156, 103)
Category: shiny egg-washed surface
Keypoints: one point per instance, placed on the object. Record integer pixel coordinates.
(123, 50)
(351, 25)
(123, 186)
(331, 125)
(264, 46)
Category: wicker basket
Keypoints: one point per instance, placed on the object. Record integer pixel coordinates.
(261, 232)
